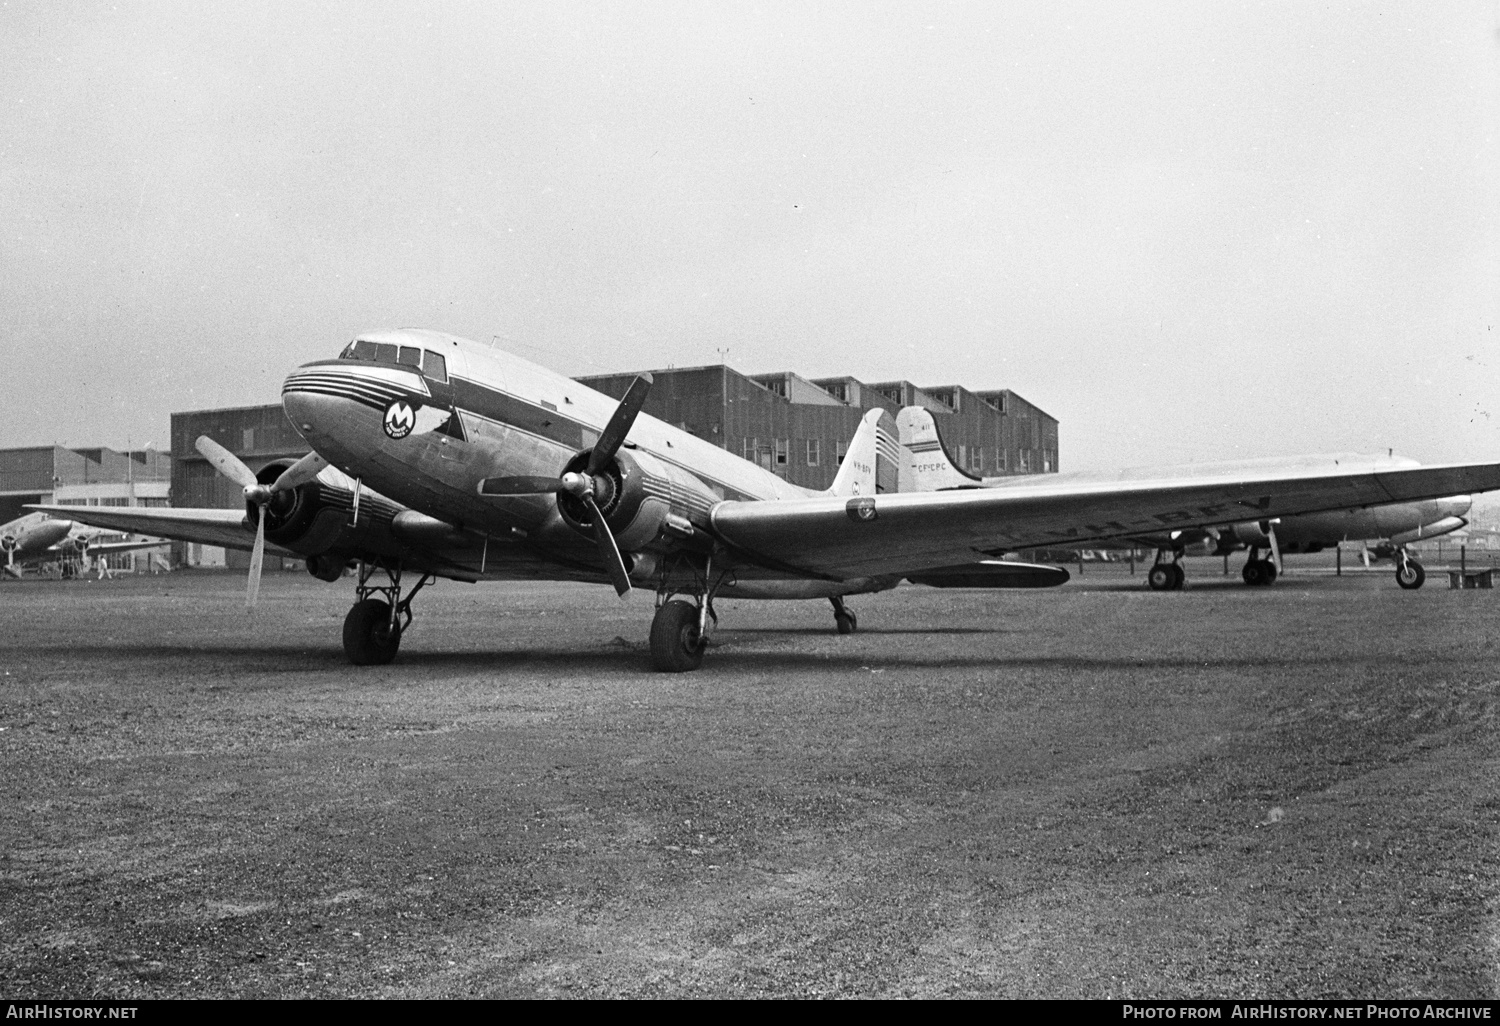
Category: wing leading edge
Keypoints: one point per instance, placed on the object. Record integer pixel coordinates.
(898, 533)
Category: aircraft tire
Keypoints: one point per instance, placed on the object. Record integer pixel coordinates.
(1268, 571)
(1411, 575)
(1161, 578)
(1252, 574)
(368, 639)
(1179, 577)
(675, 644)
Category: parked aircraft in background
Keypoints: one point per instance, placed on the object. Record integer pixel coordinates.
(1394, 524)
(39, 537)
(484, 465)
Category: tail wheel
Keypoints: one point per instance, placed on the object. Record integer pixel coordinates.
(1410, 575)
(369, 639)
(676, 646)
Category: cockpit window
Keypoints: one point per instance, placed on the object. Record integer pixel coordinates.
(429, 363)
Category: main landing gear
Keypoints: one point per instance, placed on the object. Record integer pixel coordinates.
(843, 617)
(1258, 572)
(373, 628)
(1409, 573)
(679, 630)
(1166, 576)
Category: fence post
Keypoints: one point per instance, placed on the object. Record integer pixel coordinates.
(1338, 561)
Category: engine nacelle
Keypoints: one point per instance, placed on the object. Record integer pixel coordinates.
(316, 520)
(326, 566)
(1256, 533)
(635, 493)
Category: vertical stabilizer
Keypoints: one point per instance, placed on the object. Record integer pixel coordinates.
(856, 474)
(929, 467)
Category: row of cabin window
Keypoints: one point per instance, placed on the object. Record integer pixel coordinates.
(431, 364)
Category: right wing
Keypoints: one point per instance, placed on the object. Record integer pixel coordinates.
(224, 527)
(897, 533)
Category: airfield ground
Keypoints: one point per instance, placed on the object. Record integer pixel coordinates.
(1092, 791)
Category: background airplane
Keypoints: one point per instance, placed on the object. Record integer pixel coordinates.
(40, 537)
(438, 457)
(1393, 524)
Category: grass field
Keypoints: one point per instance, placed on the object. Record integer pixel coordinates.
(1090, 791)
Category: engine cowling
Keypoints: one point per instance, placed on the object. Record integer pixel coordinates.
(1254, 532)
(635, 493)
(315, 520)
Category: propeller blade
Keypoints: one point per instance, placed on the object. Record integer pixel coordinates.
(619, 424)
(608, 550)
(520, 486)
(299, 473)
(225, 462)
(257, 559)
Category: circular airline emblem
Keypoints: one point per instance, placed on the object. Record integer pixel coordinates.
(861, 511)
(399, 419)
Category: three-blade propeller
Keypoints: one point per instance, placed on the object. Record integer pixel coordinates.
(588, 487)
(232, 467)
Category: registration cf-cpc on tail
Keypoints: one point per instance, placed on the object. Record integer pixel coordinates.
(447, 459)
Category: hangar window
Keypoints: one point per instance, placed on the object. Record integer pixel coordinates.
(783, 450)
(814, 451)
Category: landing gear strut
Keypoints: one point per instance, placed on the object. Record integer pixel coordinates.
(844, 617)
(679, 630)
(373, 628)
(1409, 573)
(1166, 576)
(1258, 572)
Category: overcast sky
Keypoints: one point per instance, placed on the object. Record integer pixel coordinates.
(1189, 231)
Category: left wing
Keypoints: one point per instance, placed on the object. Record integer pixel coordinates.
(840, 538)
(223, 527)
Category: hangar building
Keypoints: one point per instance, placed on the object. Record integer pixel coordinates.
(81, 477)
(795, 427)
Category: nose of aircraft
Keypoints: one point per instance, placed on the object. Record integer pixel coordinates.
(335, 403)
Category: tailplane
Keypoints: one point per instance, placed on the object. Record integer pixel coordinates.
(856, 474)
(929, 467)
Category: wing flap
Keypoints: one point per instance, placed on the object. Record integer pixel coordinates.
(898, 533)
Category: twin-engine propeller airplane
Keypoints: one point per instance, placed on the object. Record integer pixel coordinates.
(37, 537)
(436, 457)
(1396, 524)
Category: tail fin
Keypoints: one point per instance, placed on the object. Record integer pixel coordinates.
(856, 474)
(929, 467)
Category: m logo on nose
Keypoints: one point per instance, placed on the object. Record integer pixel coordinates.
(399, 419)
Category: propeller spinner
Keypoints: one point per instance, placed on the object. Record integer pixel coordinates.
(591, 485)
(232, 467)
